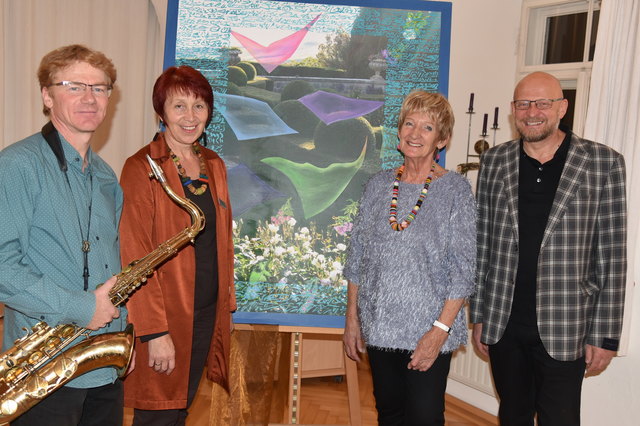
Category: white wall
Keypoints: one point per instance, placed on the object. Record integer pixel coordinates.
(484, 40)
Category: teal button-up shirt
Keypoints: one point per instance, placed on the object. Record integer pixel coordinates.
(43, 221)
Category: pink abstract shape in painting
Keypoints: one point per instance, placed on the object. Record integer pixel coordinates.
(277, 52)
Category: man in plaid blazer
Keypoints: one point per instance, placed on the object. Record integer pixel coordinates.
(551, 260)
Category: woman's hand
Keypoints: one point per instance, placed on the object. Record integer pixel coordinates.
(162, 354)
(428, 349)
(352, 339)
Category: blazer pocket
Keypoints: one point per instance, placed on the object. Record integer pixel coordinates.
(589, 287)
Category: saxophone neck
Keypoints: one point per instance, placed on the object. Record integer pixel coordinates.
(197, 216)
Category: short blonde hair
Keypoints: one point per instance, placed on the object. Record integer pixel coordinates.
(433, 104)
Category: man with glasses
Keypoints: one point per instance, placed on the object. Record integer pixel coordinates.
(60, 205)
(551, 260)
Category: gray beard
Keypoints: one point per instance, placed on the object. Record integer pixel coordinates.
(535, 137)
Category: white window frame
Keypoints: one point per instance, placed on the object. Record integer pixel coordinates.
(572, 75)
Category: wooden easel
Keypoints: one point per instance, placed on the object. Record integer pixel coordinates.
(317, 352)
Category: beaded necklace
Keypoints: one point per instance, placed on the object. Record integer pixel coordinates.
(183, 174)
(393, 211)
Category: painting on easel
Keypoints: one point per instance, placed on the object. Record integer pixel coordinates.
(307, 96)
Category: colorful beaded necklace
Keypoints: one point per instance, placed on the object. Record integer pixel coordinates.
(183, 174)
(393, 211)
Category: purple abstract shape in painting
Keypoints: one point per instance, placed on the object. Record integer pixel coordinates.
(250, 118)
(330, 107)
(277, 52)
(247, 190)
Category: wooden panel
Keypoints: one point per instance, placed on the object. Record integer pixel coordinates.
(323, 355)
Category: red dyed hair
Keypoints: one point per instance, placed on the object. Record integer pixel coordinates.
(185, 80)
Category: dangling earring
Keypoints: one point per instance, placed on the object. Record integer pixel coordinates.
(437, 155)
(160, 130)
(203, 139)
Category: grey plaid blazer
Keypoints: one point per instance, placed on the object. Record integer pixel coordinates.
(582, 263)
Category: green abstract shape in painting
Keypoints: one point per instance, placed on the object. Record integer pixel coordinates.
(317, 187)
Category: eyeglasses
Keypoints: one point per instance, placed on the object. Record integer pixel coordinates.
(77, 88)
(540, 103)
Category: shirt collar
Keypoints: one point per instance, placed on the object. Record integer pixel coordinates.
(73, 157)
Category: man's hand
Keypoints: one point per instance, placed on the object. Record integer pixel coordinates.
(162, 354)
(597, 359)
(475, 338)
(105, 311)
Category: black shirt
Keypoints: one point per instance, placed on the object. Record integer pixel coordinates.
(206, 291)
(536, 190)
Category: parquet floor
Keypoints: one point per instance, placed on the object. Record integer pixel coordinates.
(323, 401)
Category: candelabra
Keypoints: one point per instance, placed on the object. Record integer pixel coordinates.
(480, 145)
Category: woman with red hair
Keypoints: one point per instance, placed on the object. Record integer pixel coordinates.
(182, 315)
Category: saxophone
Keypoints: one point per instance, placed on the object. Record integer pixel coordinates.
(29, 372)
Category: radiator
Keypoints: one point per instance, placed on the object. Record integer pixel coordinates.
(468, 369)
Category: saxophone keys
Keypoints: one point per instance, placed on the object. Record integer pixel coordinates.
(67, 331)
(65, 367)
(35, 357)
(8, 407)
(13, 374)
(36, 387)
(41, 326)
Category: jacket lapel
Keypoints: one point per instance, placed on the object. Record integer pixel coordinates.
(511, 175)
(572, 175)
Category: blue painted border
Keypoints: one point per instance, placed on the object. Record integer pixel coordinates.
(302, 320)
(171, 33)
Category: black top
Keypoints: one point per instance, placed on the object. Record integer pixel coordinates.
(536, 189)
(206, 290)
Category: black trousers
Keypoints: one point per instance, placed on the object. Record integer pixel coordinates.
(529, 382)
(101, 406)
(408, 397)
(202, 330)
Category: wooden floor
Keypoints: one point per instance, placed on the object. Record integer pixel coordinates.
(323, 401)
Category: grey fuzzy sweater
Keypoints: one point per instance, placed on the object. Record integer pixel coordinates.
(404, 278)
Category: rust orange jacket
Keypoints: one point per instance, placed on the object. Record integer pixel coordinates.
(165, 302)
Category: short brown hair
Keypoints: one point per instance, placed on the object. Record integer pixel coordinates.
(65, 56)
(182, 79)
(433, 104)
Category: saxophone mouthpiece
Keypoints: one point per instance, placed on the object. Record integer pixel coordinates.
(157, 171)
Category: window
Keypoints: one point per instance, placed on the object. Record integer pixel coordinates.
(559, 37)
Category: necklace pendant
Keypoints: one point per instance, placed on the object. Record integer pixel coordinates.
(86, 246)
